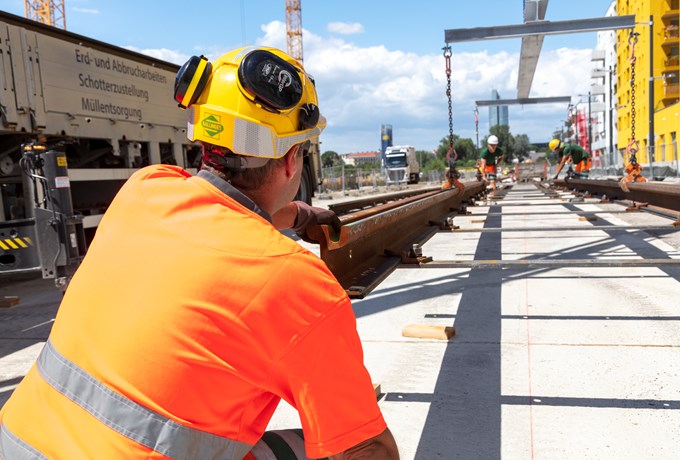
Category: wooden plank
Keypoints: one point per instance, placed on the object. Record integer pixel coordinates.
(9, 301)
(428, 331)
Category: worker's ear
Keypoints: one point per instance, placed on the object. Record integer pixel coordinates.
(290, 161)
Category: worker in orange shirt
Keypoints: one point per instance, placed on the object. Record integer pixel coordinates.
(573, 153)
(192, 315)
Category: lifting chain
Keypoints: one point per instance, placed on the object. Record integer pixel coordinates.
(633, 168)
(452, 174)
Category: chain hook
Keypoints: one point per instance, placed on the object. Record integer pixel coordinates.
(452, 174)
(633, 168)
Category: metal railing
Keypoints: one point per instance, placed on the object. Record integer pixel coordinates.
(343, 179)
(665, 162)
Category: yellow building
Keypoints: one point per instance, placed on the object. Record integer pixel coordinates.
(661, 80)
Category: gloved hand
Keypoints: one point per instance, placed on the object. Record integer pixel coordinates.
(309, 215)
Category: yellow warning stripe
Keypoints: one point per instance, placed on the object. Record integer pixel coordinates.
(198, 73)
(15, 243)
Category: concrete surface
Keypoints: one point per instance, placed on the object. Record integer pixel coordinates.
(547, 363)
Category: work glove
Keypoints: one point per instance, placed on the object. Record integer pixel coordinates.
(309, 215)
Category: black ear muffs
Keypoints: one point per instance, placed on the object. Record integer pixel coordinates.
(191, 80)
(272, 82)
(309, 116)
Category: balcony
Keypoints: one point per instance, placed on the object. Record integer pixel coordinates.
(598, 55)
(671, 13)
(671, 94)
(671, 63)
(671, 35)
(597, 90)
(596, 107)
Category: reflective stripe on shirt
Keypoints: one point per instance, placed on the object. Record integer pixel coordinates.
(131, 419)
(11, 447)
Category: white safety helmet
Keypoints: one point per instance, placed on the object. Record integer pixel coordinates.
(492, 140)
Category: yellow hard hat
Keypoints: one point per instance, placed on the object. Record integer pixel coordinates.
(255, 101)
(555, 144)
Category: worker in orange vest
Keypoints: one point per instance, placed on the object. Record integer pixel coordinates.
(192, 315)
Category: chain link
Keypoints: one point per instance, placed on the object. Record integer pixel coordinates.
(452, 165)
(447, 56)
(631, 146)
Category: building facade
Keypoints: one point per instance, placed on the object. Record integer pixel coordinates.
(604, 123)
(653, 94)
(498, 114)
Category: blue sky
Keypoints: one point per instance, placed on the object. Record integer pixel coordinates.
(375, 62)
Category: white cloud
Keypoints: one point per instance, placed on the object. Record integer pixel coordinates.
(345, 28)
(361, 88)
(162, 54)
(86, 10)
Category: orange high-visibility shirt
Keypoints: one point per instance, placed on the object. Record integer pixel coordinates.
(195, 307)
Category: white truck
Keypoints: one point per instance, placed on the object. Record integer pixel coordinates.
(401, 165)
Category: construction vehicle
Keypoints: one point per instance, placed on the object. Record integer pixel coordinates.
(401, 165)
(89, 114)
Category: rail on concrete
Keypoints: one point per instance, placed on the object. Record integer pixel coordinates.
(663, 198)
(374, 241)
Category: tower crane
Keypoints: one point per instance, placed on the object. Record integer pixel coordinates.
(50, 12)
(311, 174)
(294, 29)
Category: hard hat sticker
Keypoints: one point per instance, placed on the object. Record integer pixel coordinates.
(212, 126)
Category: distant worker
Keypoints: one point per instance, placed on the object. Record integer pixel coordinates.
(490, 157)
(579, 157)
(451, 174)
(192, 316)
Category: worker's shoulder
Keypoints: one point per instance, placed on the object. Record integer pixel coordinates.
(160, 170)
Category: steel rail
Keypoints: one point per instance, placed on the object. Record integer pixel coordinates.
(547, 213)
(583, 228)
(363, 203)
(662, 195)
(551, 263)
(373, 242)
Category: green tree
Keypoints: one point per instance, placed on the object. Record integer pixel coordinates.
(330, 158)
(465, 149)
(434, 164)
(522, 146)
(423, 157)
(444, 147)
(369, 165)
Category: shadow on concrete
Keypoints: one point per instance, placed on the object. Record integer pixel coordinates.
(31, 320)
(464, 419)
(537, 400)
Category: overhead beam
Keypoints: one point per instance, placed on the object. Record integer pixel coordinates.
(540, 28)
(528, 60)
(534, 10)
(524, 101)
